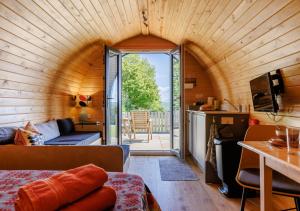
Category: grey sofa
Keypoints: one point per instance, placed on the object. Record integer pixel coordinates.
(62, 132)
(59, 132)
(54, 132)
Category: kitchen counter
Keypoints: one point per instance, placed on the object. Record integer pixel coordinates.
(198, 134)
(217, 112)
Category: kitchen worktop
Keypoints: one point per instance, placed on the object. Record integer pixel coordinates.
(217, 112)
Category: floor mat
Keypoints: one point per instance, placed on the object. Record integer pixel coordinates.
(174, 169)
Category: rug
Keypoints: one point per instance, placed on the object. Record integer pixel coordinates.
(174, 169)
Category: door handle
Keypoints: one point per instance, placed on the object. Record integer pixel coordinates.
(110, 98)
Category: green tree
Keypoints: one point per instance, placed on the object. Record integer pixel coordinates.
(176, 82)
(139, 89)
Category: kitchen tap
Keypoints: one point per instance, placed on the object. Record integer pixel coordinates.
(239, 108)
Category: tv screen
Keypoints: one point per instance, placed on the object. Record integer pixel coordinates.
(263, 96)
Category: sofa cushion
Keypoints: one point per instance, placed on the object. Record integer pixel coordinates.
(66, 126)
(7, 135)
(77, 138)
(31, 127)
(48, 129)
(27, 138)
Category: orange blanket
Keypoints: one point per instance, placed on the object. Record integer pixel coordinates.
(60, 189)
(101, 199)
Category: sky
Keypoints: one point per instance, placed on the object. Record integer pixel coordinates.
(161, 62)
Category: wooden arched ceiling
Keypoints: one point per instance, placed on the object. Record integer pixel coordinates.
(240, 38)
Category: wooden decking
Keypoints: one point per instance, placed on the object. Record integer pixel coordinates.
(192, 195)
(158, 142)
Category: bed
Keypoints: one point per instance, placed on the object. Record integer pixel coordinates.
(131, 191)
(17, 162)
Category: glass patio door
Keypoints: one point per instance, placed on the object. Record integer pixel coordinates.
(113, 96)
(177, 144)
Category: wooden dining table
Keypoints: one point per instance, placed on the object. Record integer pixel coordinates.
(273, 158)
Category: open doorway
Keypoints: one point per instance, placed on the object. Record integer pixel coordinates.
(146, 101)
(149, 87)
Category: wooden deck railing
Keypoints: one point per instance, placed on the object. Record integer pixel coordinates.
(160, 121)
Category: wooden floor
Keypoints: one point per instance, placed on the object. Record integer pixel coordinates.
(191, 195)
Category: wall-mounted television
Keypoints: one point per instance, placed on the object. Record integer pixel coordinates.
(263, 95)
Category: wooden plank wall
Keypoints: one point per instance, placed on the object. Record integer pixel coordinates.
(93, 84)
(203, 88)
(238, 40)
(37, 75)
(204, 85)
(253, 38)
(28, 66)
(145, 43)
(42, 62)
(264, 42)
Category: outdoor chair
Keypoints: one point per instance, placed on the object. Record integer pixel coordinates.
(126, 127)
(140, 120)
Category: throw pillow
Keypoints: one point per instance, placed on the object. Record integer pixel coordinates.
(29, 126)
(7, 135)
(48, 129)
(23, 137)
(37, 139)
(66, 126)
(27, 137)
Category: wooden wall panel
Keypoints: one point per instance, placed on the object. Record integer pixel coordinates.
(145, 43)
(93, 84)
(203, 88)
(193, 69)
(263, 38)
(272, 44)
(45, 45)
(40, 65)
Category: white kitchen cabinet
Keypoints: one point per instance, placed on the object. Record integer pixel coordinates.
(196, 137)
(190, 132)
(199, 124)
(200, 139)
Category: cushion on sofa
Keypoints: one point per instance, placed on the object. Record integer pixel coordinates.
(31, 127)
(48, 129)
(7, 135)
(37, 138)
(77, 138)
(27, 137)
(66, 126)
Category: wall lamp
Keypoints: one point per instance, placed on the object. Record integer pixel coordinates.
(83, 100)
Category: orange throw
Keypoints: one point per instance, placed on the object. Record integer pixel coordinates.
(60, 189)
(101, 199)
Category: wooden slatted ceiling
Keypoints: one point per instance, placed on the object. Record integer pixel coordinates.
(236, 40)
